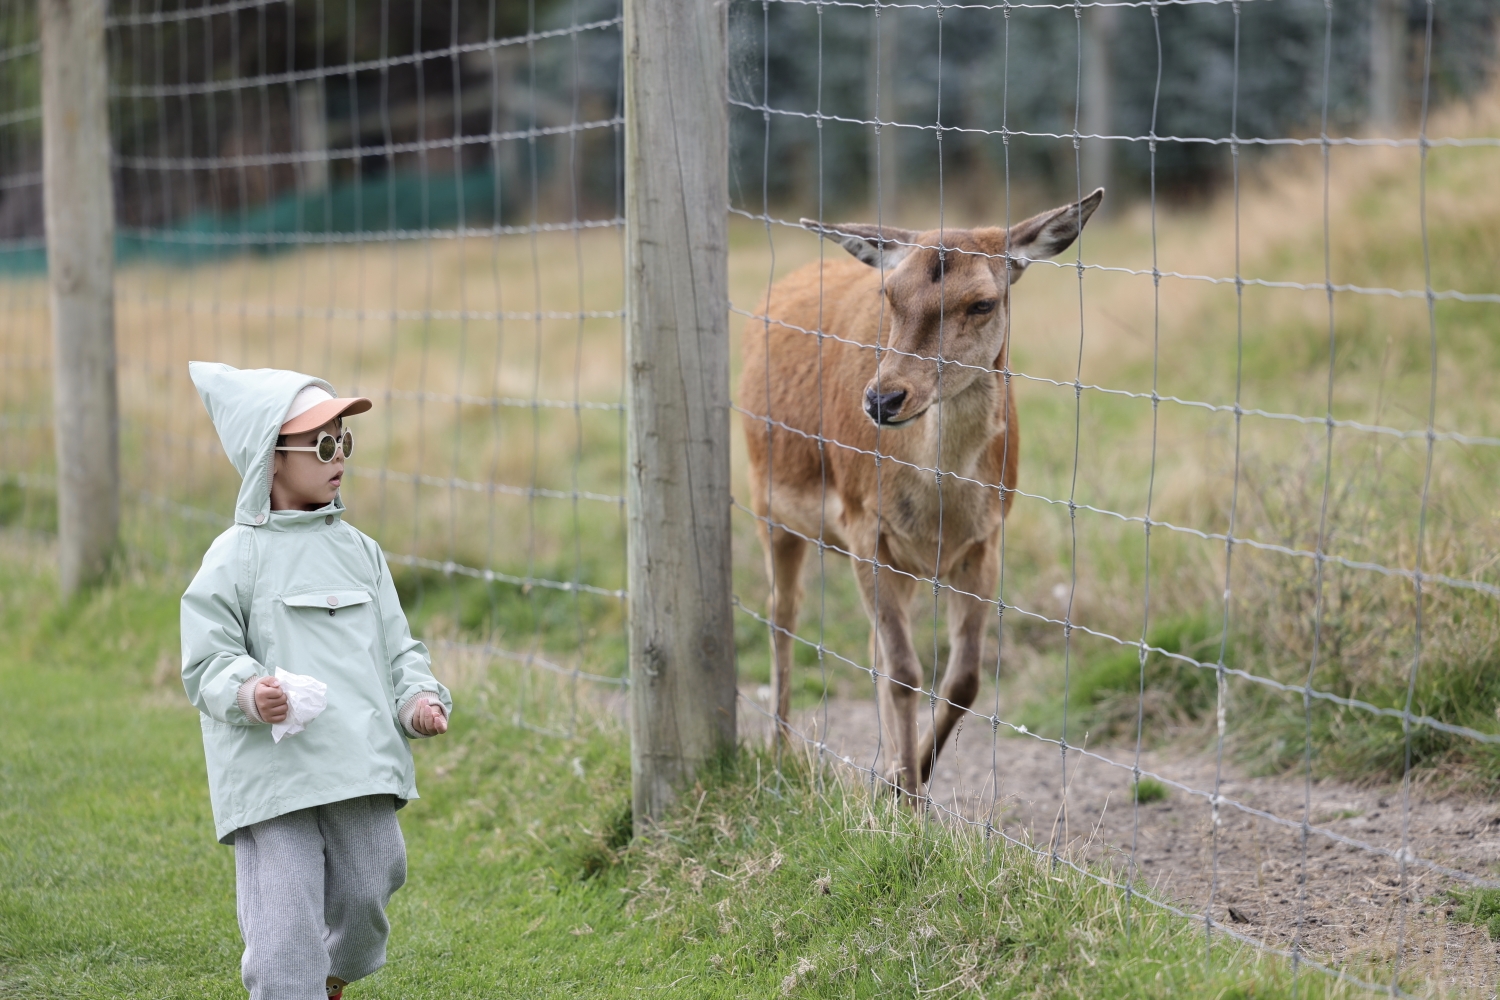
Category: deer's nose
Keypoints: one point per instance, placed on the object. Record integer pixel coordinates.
(883, 407)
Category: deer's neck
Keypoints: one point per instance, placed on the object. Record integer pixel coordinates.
(963, 427)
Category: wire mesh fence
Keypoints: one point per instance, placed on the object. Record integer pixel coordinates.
(417, 201)
(1236, 630)
(1248, 564)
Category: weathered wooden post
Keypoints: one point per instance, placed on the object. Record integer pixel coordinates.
(1101, 26)
(682, 665)
(885, 163)
(1388, 50)
(79, 207)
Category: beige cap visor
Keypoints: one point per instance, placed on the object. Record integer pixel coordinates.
(320, 413)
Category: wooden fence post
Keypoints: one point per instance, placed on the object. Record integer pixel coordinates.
(1101, 26)
(1388, 52)
(885, 159)
(682, 663)
(79, 206)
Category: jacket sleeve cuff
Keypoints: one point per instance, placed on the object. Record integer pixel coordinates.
(244, 699)
(409, 711)
(218, 695)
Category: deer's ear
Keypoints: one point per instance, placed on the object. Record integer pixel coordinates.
(1046, 235)
(878, 246)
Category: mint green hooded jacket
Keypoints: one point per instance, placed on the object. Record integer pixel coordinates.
(305, 591)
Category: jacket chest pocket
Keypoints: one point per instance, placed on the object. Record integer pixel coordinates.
(328, 633)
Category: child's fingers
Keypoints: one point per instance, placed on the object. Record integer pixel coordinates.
(428, 718)
(271, 700)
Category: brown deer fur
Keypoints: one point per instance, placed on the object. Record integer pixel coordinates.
(958, 416)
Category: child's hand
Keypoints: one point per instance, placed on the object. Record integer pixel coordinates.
(429, 719)
(270, 701)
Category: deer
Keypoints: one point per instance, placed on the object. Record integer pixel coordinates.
(880, 423)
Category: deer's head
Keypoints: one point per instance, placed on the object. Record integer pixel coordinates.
(947, 300)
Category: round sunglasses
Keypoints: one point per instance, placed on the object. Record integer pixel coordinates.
(328, 446)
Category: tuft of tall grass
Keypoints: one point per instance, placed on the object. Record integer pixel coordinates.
(1150, 790)
(1108, 690)
(1476, 906)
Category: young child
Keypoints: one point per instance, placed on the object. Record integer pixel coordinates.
(317, 849)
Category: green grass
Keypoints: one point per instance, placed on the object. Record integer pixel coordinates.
(1150, 790)
(26, 507)
(1104, 685)
(523, 880)
(1365, 747)
(582, 627)
(1476, 906)
(1105, 697)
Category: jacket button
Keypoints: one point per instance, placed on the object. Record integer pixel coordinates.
(328, 519)
(333, 602)
(260, 519)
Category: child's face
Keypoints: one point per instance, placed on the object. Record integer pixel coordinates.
(300, 481)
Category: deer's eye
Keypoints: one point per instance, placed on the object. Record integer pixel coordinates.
(982, 307)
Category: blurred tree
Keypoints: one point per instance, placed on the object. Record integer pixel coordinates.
(973, 67)
(275, 65)
(1022, 69)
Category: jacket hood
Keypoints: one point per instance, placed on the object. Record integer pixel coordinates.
(247, 407)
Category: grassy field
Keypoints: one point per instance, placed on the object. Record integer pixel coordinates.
(1371, 358)
(523, 882)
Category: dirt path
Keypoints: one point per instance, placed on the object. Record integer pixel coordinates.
(1350, 909)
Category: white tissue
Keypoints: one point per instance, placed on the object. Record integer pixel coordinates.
(306, 698)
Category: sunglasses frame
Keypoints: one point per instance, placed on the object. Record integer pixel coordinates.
(338, 445)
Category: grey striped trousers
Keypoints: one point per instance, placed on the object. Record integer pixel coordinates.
(311, 890)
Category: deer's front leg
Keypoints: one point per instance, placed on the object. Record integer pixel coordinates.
(973, 580)
(887, 599)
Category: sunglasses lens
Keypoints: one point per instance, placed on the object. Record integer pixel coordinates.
(326, 446)
(348, 443)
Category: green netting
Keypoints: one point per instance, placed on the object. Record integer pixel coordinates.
(400, 203)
